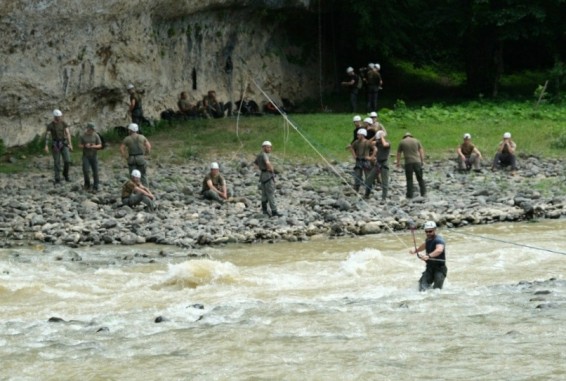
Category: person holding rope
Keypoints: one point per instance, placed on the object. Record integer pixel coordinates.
(380, 170)
(435, 258)
(267, 180)
(363, 152)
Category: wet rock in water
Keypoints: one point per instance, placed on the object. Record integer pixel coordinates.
(543, 292)
(160, 319)
(103, 329)
(55, 319)
(537, 299)
(197, 306)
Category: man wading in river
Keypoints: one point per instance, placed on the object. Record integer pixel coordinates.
(435, 258)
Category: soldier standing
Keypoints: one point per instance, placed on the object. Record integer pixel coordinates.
(133, 148)
(61, 144)
(90, 143)
(267, 180)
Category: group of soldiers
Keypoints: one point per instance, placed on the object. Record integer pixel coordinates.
(134, 149)
(209, 107)
(369, 78)
(370, 149)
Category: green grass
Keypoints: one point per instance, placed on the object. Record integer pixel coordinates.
(311, 138)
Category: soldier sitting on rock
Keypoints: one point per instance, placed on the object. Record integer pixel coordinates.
(214, 186)
(134, 192)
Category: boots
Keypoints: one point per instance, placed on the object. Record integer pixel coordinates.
(275, 213)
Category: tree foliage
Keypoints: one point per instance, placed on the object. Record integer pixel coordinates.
(480, 37)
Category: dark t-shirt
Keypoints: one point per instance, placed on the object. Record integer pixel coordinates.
(430, 246)
(353, 87)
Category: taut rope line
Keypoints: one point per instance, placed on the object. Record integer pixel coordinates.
(509, 242)
(397, 236)
(346, 181)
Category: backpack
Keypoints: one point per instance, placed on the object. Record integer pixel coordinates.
(359, 83)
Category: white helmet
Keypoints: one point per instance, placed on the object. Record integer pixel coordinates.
(349, 69)
(379, 134)
(368, 120)
(430, 225)
(266, 143)
(130, 86)
(373, 114)
(133, 127)
(362, 131)
(507, 135)
(214, 166)
(467, 136)
(357, 118)
(136, 173)
(371, 66)
(57, 113)
(378, 66)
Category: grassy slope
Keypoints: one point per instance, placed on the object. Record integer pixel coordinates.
(438, 127)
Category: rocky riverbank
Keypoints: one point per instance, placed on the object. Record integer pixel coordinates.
(313, 199)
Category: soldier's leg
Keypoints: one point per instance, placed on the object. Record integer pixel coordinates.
(384, 179)
(426, 281)
(419, 174)
(370, 178)
(439, 277)
(211, 195)
(409, 179)
(94, 165)
(475, 160)
(86, 175)
(66, 162)
(357, 178)
(270, 187)
(264, 209)
(56, 164)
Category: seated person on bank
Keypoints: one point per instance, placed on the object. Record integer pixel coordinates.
(186, 109)
(468, 155)
(214, 186)
(247, 107)
(215, 108)
(134, 192)
(505, 155)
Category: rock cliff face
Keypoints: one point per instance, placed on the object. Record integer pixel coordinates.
(79, 55)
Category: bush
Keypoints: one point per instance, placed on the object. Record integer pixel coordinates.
(559, 143)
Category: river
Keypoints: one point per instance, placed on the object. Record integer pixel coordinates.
(327, 309)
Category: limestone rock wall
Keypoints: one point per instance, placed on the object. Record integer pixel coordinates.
(79, 55)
